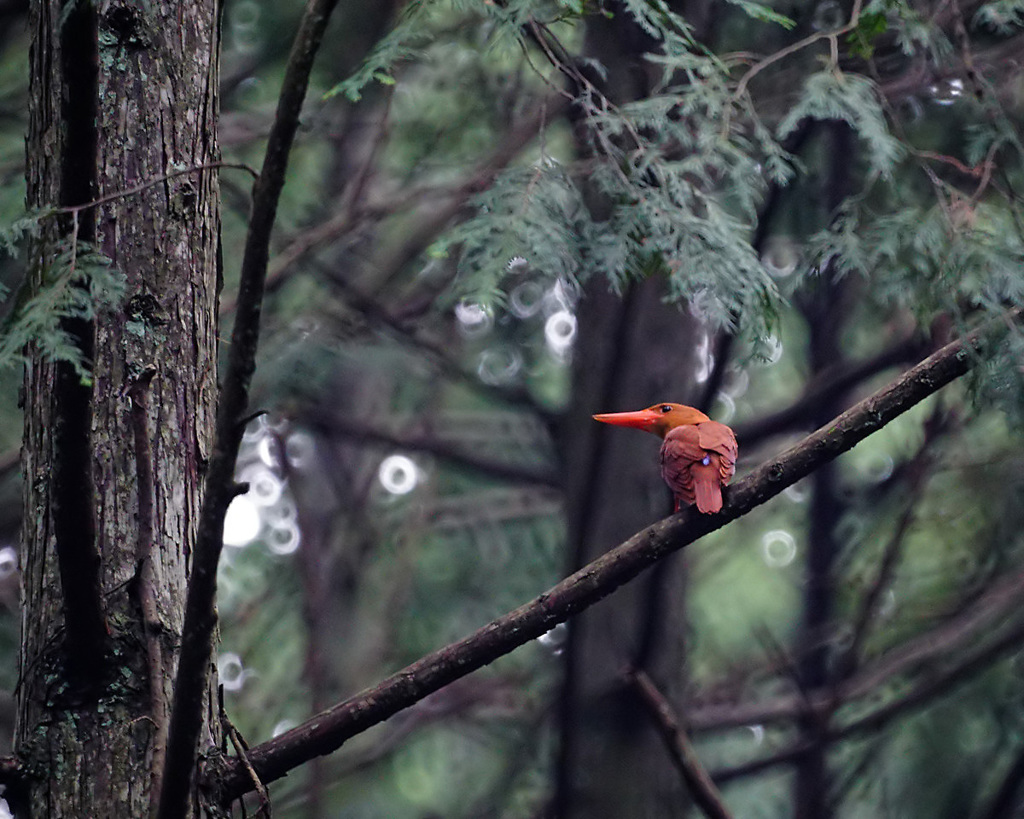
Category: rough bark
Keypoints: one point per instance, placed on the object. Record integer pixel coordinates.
(121, 94)
(611, 761)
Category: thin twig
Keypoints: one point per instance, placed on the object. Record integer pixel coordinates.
(440, 203)
(793, 48)
(242, 750)
(919, 471)
(328, 730)
(149, 183)
(420, 440)
(970, 170)
(830, 382)
(680, 749)
(930, 686)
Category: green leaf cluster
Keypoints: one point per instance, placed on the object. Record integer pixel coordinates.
(870, 26)
(1002, 16)
(532, 212)
(77, 284)
(833, 94)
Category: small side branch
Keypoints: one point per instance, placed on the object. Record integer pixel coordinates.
(417, 441)
(918, 474)
(329, 730)
(242, 750)
(680, 749)
(76, 210)
(192, 681)
(969, 627)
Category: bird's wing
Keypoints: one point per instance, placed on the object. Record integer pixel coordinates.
(686, 442)
(679, 452)
(715, 437)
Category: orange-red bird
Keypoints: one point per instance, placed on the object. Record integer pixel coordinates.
(698, 455)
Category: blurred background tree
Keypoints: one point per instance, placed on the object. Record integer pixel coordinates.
(502, 217)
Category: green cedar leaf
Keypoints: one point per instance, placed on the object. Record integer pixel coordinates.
(77, 285)
(1002, 16)
(759, 11)
(870, 26)
(851, 98)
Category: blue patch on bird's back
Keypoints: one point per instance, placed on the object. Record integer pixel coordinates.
(706, 459)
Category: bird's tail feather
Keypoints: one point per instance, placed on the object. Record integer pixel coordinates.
(707, 493)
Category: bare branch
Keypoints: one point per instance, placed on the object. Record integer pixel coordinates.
(149, 183)
(930, 686)
(680, 749)
(918, 472)
(422, 441)
(966, 628)
(328, 730)
(792, 48)
(424, 230)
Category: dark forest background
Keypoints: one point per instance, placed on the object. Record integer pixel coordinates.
(501, 218)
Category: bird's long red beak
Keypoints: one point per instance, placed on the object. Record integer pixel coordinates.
(641, 419)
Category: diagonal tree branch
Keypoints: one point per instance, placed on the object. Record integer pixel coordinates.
(422, 441)
(930, 686)
(702, 790)
(328, 730)
(967, 628)
(918, 473)
(969, 624)
(192, 680)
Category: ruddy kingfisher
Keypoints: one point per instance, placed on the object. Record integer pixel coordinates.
(698, 455)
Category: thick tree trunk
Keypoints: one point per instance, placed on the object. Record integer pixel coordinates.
(633, 352)
(123, 94)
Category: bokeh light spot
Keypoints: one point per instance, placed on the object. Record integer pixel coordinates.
(8, 561)
(242, 522)
(560, 331)
(284, 539)
(398, 474)
(778, 547)
(230, 671)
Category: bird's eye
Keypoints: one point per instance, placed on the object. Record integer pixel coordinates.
(665, 408)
